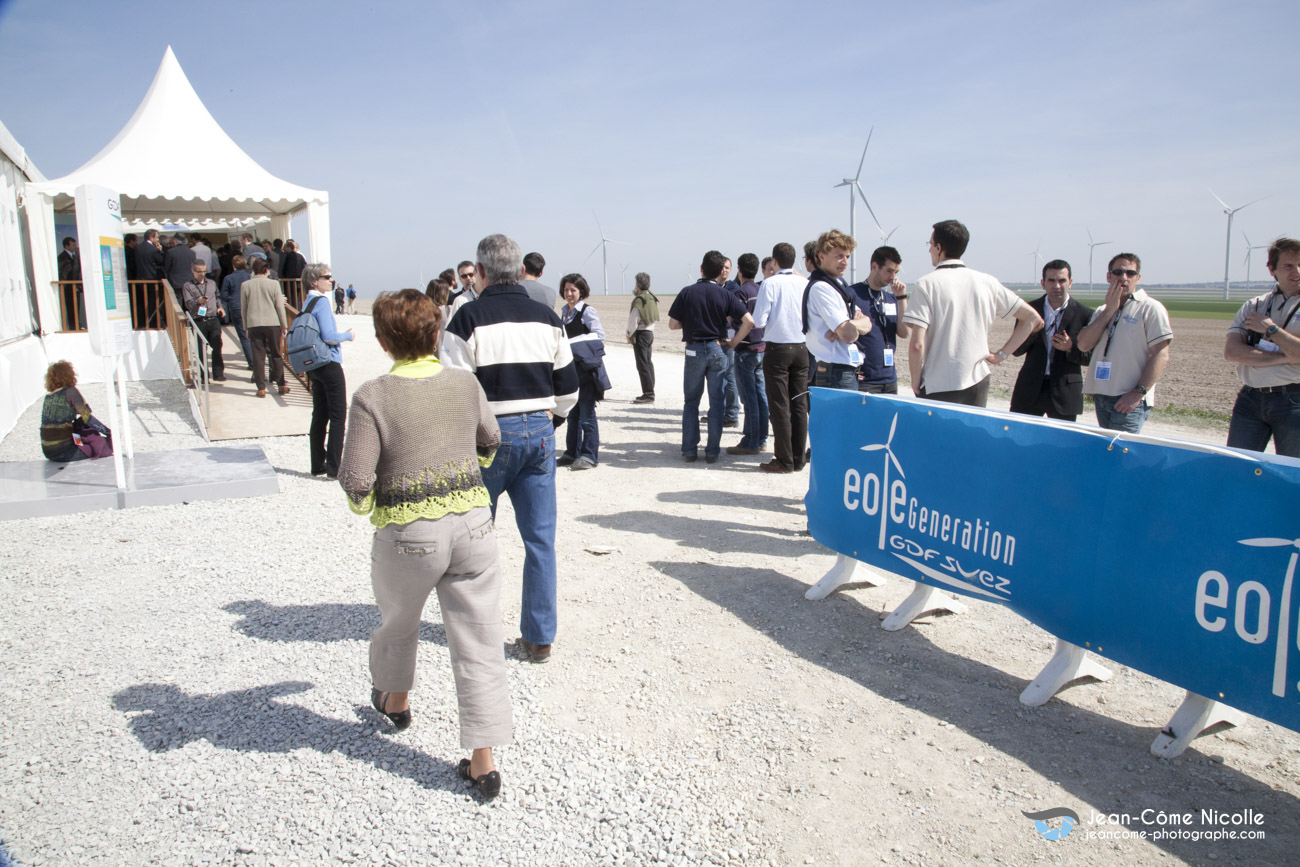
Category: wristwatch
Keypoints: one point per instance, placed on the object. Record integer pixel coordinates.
(1271, 330)
(1140, 388)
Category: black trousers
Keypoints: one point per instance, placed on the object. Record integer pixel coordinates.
(210, 328)
(974, 395)
(1042, 405)
(642, 341)
(785, 373)
(264, 340)
(329, 409)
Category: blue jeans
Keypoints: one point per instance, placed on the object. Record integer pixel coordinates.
(524, 468)
(828, 375)
(731, 402)
(753, 394)
(1258, 415)
(705, 362)
(1108, 418)
(582, 440)
(236, 318)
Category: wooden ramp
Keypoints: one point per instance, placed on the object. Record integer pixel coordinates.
(236, 412)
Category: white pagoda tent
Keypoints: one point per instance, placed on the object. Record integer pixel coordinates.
(207, 181)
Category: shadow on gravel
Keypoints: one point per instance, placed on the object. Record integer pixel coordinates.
(720, 537)
(728, 499)
(251, 721)
(300, 474)
(323, 622)
(1093, 756)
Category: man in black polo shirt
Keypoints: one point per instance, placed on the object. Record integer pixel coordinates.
(883, 297)
(700, 312)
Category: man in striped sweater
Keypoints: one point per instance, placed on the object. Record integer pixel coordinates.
(518, 350)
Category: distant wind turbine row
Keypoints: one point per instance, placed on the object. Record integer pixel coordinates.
(1227, 252)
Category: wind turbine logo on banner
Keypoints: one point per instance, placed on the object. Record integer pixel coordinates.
(1284, 614)
(852, 184)
(1227, 250)
(887, 447)
(603, 247)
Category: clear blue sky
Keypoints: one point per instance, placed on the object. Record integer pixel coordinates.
(690, 126)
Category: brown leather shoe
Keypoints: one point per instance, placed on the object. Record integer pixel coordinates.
(261, 392)
(284, 389)
(533, 652)
(774, 466)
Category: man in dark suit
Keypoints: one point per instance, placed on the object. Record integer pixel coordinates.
(1051, 381)
(69, 261)
(291, 261)
(178, 263)
(149, 257)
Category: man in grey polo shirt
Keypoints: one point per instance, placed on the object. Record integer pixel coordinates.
(1129, 339)
(951, 311)
(1264, 341)
(534, 264)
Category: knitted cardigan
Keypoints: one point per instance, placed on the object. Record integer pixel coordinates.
(416, 440)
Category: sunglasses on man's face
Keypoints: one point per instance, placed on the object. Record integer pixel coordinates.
(1123, 272)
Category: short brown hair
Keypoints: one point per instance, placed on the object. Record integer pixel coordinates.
(1132, 257)
(60, 375)
(239, 263)
(259, 265)
(406, 323)
(1280, 246)
(835, 240)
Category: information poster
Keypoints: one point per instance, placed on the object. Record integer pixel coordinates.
(103, 269)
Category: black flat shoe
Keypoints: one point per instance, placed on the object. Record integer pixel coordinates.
(401, 720)
(488, 785)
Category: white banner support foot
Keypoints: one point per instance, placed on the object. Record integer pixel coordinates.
(923, 600)
(845, 570)
(1196, 716)
(1069, 663)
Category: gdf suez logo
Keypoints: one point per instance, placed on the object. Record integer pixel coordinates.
(114, 205)
(1068, 818)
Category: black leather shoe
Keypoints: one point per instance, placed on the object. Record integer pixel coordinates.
(401, 719)
(488, 785)
(564, 461)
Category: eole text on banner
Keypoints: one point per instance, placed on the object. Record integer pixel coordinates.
(1172, 558)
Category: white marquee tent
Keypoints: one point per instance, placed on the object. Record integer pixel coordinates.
(206, 180)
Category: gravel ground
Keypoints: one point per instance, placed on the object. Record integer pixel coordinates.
(188, 685)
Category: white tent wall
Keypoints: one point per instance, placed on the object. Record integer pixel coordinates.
(318, 231)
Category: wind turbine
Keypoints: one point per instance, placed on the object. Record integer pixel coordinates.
(1227, 250)
(884, 239)
(622, 283)
(1251, 249)
(603, 247)
(1091, 245)
(1032, 281)
(852, 184)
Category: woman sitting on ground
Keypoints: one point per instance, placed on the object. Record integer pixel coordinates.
(417, 439)
(64, 416)
(587, 340)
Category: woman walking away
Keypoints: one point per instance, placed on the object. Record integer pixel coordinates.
(329, 390)
(417, 440)
(587, 340)
(68, 431)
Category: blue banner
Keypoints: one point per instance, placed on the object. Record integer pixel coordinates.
(1173, 558)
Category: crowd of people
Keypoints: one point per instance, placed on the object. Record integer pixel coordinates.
(486, 369)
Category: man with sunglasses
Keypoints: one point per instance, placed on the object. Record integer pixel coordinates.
(1264, 341)
(1129, 339)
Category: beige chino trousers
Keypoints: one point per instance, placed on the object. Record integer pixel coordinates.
(457, 556)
